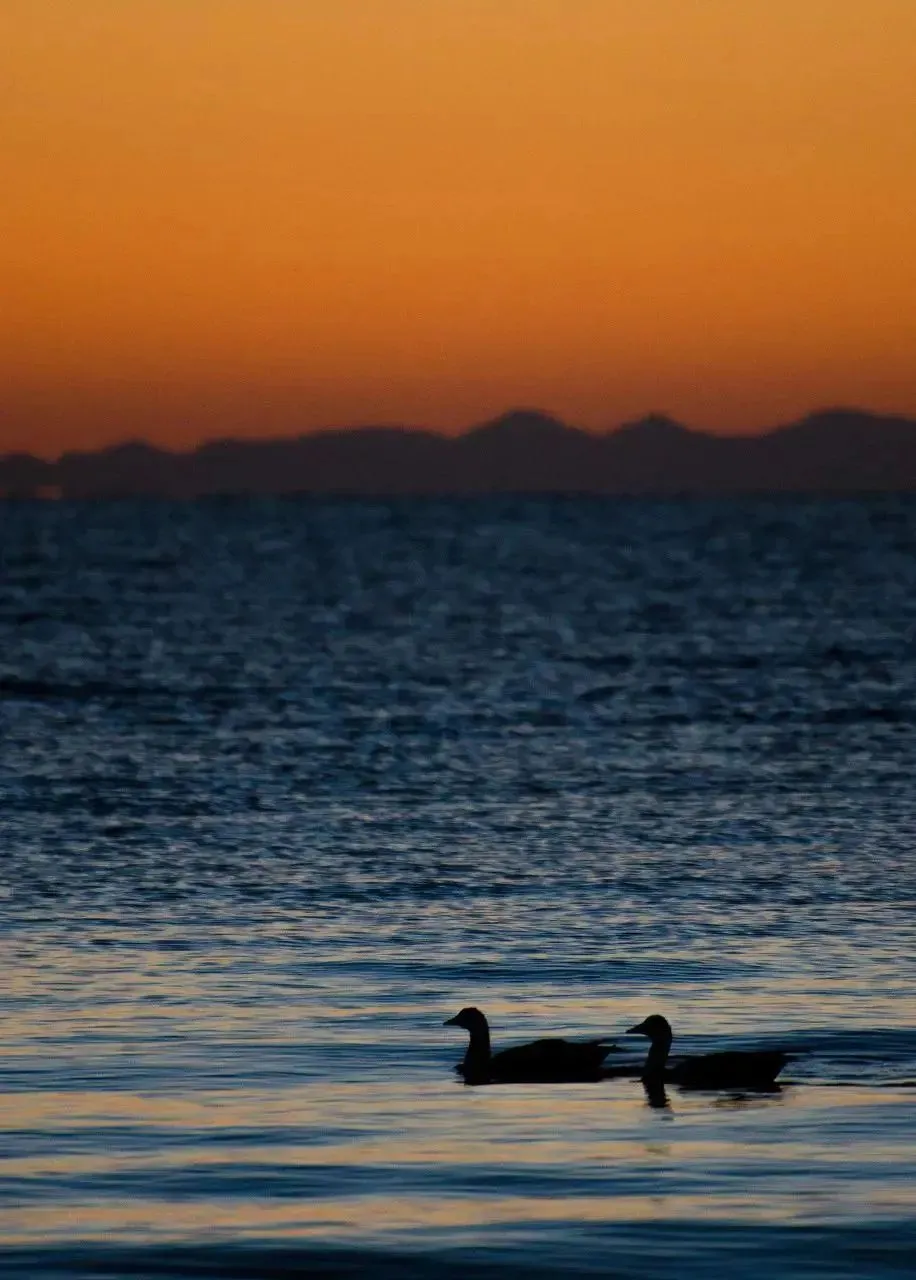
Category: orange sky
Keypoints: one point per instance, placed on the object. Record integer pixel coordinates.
(226, 216)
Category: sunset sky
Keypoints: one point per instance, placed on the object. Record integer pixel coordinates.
(243, 216)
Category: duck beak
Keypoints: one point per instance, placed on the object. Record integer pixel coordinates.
(638, 1030)
(451, 1022)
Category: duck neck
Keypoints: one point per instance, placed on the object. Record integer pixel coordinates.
(657, 1056)
(478, 1050)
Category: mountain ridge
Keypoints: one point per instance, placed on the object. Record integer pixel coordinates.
(834, 450)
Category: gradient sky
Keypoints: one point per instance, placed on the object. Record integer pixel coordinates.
(233, 216)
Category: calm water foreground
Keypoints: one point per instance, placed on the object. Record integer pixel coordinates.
(283, 785)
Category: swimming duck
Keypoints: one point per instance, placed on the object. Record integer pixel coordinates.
(738, 1069)
(545, 1061)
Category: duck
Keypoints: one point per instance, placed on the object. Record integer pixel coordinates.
(737, 1069)
(542, 1061)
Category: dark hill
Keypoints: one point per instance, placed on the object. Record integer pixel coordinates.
(363, 460)
(21, 475)
(832, 451)
(523, 451)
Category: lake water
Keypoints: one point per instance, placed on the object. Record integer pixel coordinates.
(285, 784)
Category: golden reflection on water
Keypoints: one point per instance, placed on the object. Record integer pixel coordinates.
(257, 1153)
(603, 1139)
(378, 1216)
(147, 990)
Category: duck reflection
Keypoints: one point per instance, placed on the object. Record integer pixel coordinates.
(761, 1097)
(656, 1095)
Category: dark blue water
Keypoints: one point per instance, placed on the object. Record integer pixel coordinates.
(285, 784)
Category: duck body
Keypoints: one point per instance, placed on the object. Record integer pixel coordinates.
(756, 1069)
(736, 1069)
(547, 1061)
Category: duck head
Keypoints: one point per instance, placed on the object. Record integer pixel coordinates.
(656, 1029)
(469, 1018)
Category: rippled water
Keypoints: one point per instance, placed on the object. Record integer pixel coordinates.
(283, 785)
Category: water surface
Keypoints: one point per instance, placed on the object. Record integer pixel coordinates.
(284, 784)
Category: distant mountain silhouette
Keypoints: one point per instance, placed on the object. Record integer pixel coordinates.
(22, 475)
(524, 451)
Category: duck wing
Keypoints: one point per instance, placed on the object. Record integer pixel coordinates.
(754, 1069)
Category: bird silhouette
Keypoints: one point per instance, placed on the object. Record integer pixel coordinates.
(735, 1069)
(548, 1061)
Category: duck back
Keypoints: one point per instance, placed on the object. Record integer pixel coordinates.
(548, 1061)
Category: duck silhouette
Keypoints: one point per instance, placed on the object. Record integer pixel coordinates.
(735, 1069)
(548, 1061)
